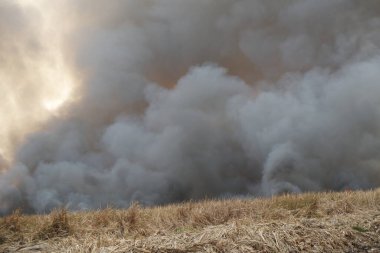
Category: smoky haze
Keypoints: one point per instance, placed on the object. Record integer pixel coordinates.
(177, 99)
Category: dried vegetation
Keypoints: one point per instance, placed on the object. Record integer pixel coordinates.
(314, 222)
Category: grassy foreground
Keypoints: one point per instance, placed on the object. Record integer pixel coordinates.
(315, 222)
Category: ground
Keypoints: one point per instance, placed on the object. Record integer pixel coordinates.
(313, 222)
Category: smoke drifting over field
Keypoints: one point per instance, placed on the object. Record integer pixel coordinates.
(157, 101)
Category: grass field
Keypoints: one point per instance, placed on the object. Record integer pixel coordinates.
(314, 222)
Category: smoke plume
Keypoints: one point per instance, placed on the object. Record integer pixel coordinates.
(159, 101)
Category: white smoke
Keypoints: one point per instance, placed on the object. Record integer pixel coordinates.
(183, 100)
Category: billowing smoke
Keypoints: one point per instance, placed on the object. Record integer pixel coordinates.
(171, 100)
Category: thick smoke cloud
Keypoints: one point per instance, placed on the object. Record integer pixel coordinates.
(182, 100)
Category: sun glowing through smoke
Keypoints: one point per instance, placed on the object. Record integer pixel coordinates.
(36, 76)
(60, 85)
(54, 104)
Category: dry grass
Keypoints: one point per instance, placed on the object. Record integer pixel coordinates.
(315, 222)
(58, 226)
